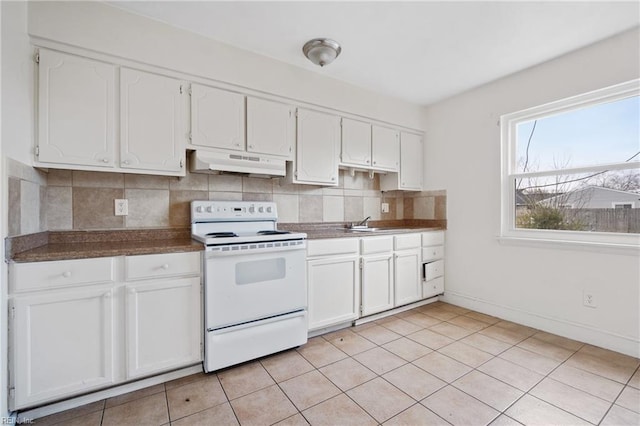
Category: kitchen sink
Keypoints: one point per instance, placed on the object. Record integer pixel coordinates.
(375, 229)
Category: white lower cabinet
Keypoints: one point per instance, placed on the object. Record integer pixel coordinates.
(377, 274)
(333, 282)
(407, 276)
(162, 325)
(72, 332)
(433, 263)
(64, 343)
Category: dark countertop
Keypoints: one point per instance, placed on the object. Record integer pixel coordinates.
(48, 246)
(316, 231)
(66, 245)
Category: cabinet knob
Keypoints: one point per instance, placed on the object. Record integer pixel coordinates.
(333, 179)
(66, 274)
(107, 295)
(237, 144)
(251, 146)
(375, 162)
(105, 160)
(165, 266)
(125, 162)
(367, 161)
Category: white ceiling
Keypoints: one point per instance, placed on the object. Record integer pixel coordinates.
(417, 51)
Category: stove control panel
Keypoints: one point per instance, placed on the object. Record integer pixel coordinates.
(220, 211)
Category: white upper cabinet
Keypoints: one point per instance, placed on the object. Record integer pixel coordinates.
(217, 118)
(356, 143)
(385, 148)
(76, 110)
(317, 148)
(270, 127)
(411, 163)
(151, 129)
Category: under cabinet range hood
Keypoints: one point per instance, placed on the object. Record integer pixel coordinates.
(242, 162)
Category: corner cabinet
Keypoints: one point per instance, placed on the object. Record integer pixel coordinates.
(333, 280)
(151, 129)
(77, 111)
(409, 177)
(318, 142)
(77, 326)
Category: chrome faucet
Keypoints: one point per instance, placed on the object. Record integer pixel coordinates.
(363, 223)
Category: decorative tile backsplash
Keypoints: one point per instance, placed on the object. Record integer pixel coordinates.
(77, 200)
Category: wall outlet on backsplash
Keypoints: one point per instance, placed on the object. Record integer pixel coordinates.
(121, 207)
(385, 207)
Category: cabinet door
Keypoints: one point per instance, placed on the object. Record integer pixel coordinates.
(377, 283)
(410, 161)
(217, 118)
(162, 325)
(334, 293)
(63, 344)
(270, 127)
(151, 128)
(76, 111)
(385, 148)
(356, 143)
(317, 148)
(408, 286)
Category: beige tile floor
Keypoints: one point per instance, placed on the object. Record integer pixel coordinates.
(436, 364)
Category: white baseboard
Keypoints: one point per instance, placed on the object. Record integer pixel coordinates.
(67, 404)
(580, 332)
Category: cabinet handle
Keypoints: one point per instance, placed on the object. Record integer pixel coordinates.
(125, 162)
(66, 274)
(165, 266)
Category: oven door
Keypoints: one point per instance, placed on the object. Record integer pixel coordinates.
(248, 285)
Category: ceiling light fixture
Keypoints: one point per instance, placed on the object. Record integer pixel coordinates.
(321, 51)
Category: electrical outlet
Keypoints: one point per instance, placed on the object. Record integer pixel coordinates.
(385, 207)
(122, 207)
(589, 299)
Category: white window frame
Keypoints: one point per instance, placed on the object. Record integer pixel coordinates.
(510, 174)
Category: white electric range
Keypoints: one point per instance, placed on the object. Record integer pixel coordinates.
(255, 291)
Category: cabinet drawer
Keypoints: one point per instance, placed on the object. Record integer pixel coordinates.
(332, 247)
(407, 241)
(161, 265)
(61, 273)
(432, 253)
(433, 270)
(435, 238)
(372, 245)
(433, 287)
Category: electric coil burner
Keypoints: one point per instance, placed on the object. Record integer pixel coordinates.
(255, 292)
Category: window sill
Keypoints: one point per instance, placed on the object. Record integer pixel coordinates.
(602, 247)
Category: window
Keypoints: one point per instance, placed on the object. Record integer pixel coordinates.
(571, 169)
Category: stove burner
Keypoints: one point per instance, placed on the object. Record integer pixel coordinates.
(270, 232)
(221, 234)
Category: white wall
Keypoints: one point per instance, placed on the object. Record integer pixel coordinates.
(99, 27)
(17, 83)
(16, 134)
(537, 286)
